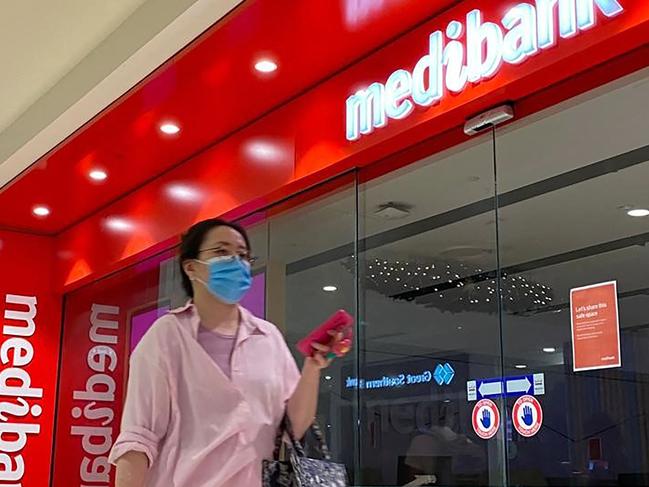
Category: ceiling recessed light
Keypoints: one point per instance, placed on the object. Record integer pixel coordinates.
(521, 366)
(98, 175)
(169, 128)
(638, 212)
(41, 210)
(265, 66)
(549, 349)
(330, 289)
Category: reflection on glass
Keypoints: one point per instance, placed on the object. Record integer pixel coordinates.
(359, 12)
(142, 321)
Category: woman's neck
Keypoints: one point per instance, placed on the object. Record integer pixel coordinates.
(217, 316)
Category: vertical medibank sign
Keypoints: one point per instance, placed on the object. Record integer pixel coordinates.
(91, 392)
(470, 52)
(95, 403)
(20, 398)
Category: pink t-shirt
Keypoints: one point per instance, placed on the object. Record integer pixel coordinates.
(197, 427)
(218, 346)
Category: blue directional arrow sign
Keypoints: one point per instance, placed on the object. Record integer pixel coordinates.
(490, 388)
(506, 386)
(522, 386)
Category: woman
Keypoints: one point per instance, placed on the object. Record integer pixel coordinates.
(209, 383)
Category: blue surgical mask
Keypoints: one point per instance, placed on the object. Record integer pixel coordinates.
(229, 280)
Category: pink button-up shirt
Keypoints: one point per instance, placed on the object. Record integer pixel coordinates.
(197, 427)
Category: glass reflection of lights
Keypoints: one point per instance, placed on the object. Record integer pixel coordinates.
(119, 224)
(183, 192)
(65, 254)
(453, 286)
(264, 150)
(358, 12)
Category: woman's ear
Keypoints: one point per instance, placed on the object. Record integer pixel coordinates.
(189, 267)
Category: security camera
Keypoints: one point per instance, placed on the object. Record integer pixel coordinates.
(488, 119)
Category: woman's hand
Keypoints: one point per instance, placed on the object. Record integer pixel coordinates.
(302, 406)
(321, 358)
(304, 402)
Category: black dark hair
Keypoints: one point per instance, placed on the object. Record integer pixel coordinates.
(192, 240)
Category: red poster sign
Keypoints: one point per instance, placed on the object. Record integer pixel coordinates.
(595, 327)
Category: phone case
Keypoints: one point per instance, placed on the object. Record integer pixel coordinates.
(340, 321)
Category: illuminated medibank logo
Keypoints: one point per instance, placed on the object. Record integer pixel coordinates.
(470, 52)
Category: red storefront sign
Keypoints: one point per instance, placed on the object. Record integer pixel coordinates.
(309, 132)
(29, 355)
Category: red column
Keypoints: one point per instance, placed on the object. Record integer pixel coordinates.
(29, 354)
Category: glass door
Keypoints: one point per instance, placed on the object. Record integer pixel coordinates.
(310, 274)
(574, 207)
(430, 324)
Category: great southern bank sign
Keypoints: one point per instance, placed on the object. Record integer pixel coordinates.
(443, 375)
(469, 52)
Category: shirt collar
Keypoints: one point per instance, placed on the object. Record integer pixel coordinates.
(249, 324)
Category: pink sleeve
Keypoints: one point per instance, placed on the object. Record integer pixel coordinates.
(147, 408)
(291, 373)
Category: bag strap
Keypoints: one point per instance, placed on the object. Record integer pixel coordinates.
(279, 437)
(324, 448)
(287, 428)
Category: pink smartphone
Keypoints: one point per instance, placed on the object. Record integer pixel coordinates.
(340, 321)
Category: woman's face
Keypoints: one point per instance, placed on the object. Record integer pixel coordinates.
(218, 242)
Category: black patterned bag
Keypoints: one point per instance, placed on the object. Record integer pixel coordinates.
(295, 469)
